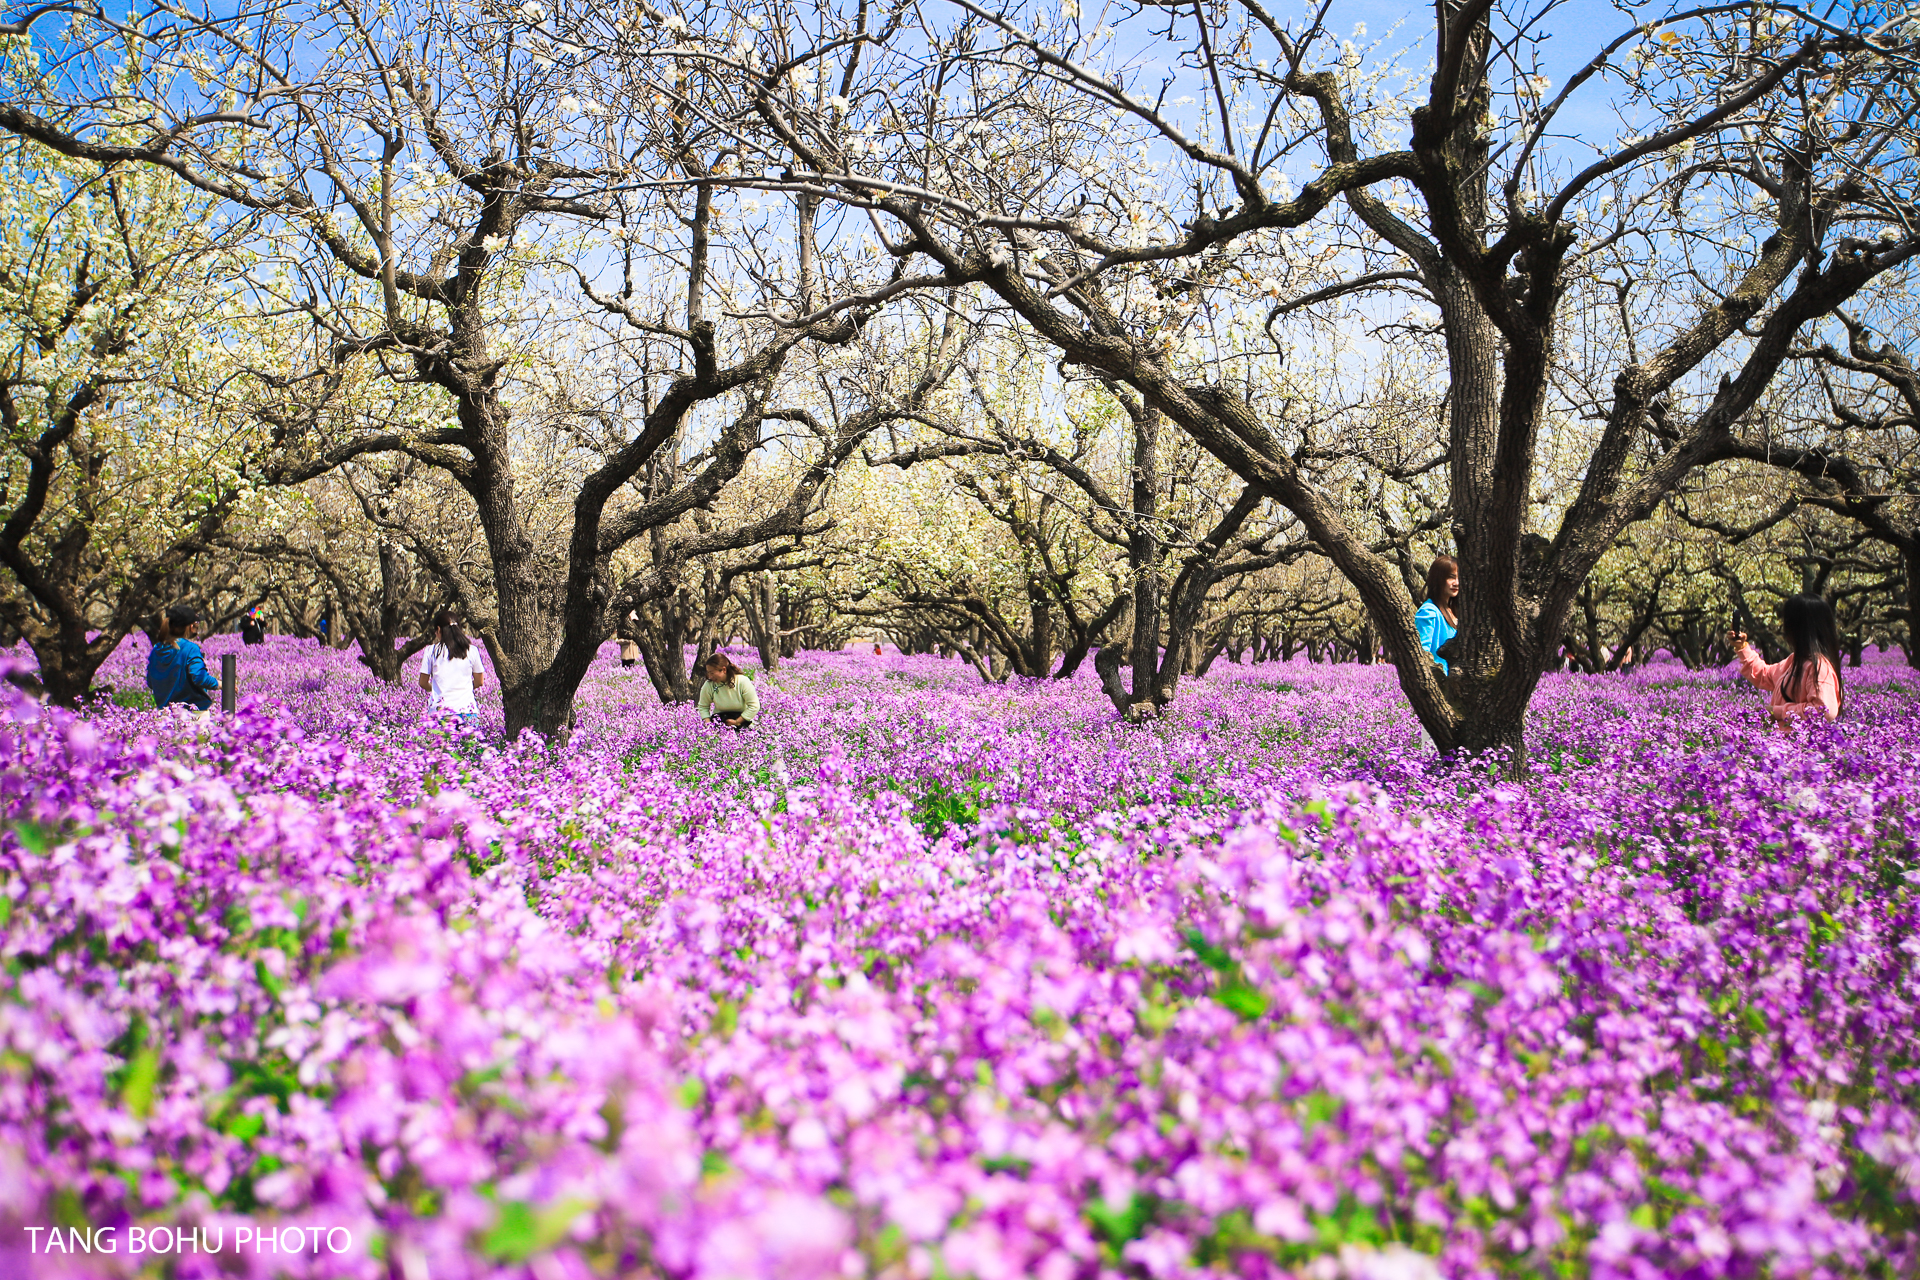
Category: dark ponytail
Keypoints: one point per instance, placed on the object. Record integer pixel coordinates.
(453, 639)
(1813, 629)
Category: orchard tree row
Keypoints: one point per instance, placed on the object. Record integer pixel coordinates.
(1030, 335)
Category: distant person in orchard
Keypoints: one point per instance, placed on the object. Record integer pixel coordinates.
(1808, 679)
(1435, 621)
(728, 698)
(326, 624)
(876, 649)
(252, 629)
(629, 647)
(176, 669)
(450, 671)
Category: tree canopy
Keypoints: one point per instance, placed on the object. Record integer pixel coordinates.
(1020, 332)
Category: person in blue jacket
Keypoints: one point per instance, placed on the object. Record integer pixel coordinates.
(176, 669)
(1435, 621)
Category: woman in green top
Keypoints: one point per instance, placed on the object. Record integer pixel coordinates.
(728, 697)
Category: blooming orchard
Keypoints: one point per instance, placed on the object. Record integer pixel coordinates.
(929, 977)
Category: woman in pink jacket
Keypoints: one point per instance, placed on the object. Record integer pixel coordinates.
(1809, 678)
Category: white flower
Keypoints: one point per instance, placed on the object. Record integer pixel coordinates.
(1394, 1262)
(676, 24)
(839, 103)
(568, 103)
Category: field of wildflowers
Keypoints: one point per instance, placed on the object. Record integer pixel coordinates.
(927, 978)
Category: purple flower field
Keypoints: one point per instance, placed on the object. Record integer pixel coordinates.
(929, 978)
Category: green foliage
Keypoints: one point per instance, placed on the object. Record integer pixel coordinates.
(941, 806)
(522, 1230)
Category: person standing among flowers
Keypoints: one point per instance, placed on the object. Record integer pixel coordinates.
(728, 696)
(1435, 621)
(1806, 680)
(176, 669)
(450, 672)
(629, 647)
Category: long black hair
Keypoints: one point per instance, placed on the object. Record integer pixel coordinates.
(452, 637)
(1814, 632)
(1442, 568)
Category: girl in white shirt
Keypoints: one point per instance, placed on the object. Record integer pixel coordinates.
(450, 672)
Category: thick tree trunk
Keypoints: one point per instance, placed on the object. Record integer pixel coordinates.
(1089, 636)
(1210, 653)
(663, 650)
(1910, 566)
(66, 668)
(1144, 554)
(1496, 726)
(764, 621)
(1039, 655)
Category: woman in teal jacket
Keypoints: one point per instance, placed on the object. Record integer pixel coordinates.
(1435, 620)
(176, 669)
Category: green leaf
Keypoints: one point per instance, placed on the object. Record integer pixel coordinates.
(33, 837)
(1485, 996)
(247, 1127)
(1215, 958)
(1350, 1223)
(523, 1230)
(1245, 1001)
(136, 1095)
(1319, 1107)
(1122, 1224)
(726, 1016)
